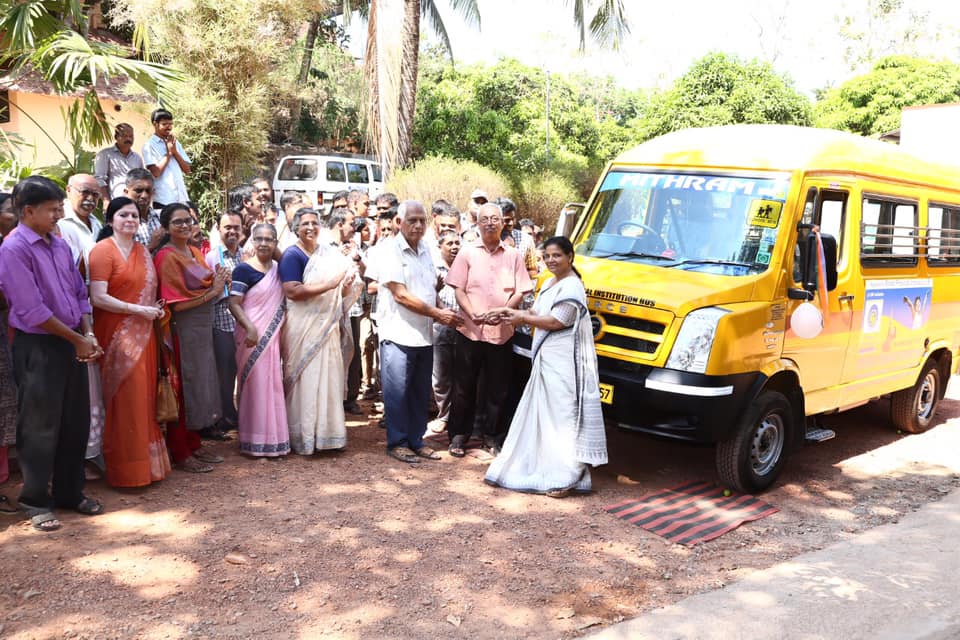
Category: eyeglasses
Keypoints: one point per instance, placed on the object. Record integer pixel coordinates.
(263, 240)
(87, 193)
(181, 222)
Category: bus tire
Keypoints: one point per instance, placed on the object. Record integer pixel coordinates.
(912, 409)
(752, 459)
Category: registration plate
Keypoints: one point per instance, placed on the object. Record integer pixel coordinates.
(606, 393)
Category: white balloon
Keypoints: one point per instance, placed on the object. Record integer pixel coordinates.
(806, 320)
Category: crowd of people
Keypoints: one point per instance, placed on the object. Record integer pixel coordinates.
(135, 338)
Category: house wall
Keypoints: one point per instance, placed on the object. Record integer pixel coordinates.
(40, 150)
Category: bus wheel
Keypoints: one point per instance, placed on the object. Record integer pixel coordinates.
(751, 460)
(912, 409)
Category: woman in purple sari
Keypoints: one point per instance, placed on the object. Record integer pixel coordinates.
(258, 304)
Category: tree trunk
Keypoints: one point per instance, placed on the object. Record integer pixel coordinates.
(312, 30)
(372, 82)
(408, 80)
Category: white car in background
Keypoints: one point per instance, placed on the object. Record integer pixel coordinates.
(323, 176)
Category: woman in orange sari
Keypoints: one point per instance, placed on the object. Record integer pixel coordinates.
(190, 288)
(123, 290)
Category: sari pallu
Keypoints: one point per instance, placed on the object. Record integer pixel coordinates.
(313, 372)
(182, 279)
(261, 407)
(558, 428)
(133, 447)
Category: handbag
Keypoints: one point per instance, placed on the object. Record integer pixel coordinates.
(167, 408)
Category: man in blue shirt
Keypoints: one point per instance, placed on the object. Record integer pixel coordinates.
(167, 161)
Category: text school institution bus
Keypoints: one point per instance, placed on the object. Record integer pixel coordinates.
(698, 248)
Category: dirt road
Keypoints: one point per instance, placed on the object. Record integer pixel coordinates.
(357, 545)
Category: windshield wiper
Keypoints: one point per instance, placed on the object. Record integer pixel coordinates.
(726, 263)
(631, 254)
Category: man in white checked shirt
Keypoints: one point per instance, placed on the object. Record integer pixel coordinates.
(444, 337)
(228, 254)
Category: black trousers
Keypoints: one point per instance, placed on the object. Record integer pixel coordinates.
(225, 353)
(355, 372)
(519, 376)
(479, 365)
(53, 422)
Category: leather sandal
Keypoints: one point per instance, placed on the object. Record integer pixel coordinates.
(205, 455)
(403, 454)
(428, 453)
(192, 465)
(458, 445)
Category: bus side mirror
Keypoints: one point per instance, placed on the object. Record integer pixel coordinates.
(568, 218)
(810, 262)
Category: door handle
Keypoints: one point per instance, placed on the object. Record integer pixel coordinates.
(846, 298)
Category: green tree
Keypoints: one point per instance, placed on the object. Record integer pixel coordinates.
(392, 64)
(720, 89)
(871, 103)
(230, 51)
(496, 116)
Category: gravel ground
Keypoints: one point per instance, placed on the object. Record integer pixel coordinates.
(357, 545)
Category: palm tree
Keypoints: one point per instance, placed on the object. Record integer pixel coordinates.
(609, 25)
(391, 70)
(47, 37)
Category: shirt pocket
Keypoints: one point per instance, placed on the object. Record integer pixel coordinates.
(506, 281)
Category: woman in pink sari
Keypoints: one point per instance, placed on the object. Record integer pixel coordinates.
(258, 304)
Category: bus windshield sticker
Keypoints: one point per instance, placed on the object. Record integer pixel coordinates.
(765, 213)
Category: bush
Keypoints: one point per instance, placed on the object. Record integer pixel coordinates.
(434, 177)
(542, 197)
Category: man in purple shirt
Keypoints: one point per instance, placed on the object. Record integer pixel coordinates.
(53, 342)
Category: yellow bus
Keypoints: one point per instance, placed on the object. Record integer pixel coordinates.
(698, 248)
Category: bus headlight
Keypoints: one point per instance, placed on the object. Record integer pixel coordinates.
(691, 350)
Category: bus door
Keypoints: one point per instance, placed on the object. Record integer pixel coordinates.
(821, 359)
(893, 304)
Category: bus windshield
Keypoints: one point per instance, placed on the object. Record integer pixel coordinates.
(696, 221)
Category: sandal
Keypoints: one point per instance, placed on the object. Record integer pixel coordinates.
(403, 454)
(89, 507)
(457, 446)
(192, 465)
(45, 521)
(558, 493)
(428, 453)
(205, 455)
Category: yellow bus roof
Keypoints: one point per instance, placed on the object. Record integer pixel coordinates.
(771, 147)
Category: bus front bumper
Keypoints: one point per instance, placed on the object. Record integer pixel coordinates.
(676, 404)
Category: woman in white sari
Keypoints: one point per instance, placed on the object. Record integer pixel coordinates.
(315, 277)
(557, 432)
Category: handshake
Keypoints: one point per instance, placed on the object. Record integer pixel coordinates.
(497, 316)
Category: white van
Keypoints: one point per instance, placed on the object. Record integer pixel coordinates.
(323, 176)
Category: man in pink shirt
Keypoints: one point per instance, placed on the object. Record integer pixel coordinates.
(485, 275)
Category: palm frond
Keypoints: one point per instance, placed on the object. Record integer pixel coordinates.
(579, 21)
(70, 62)
(609, 25)
(25, 24)
(429, 9)
(468, 10)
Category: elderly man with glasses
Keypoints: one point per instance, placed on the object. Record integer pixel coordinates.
(485, 276)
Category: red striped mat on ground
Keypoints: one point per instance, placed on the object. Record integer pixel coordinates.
(691, 513)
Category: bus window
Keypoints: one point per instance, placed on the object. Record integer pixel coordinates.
(335, 172)
(943, 234)
(889, 234)
(357, 173)
(833, 206)
(298, 169)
